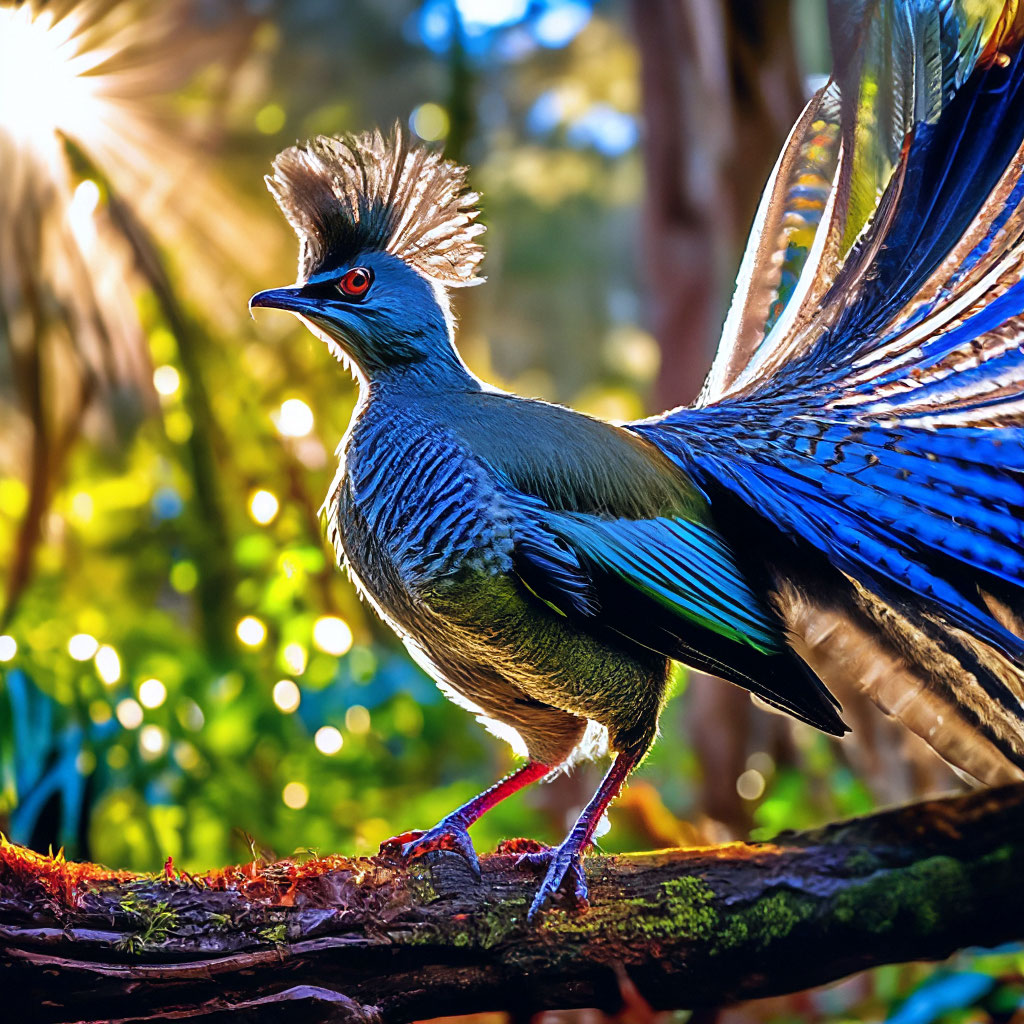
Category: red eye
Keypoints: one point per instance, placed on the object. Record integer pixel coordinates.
(356, 283)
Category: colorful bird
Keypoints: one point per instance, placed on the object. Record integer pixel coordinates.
(844, 505)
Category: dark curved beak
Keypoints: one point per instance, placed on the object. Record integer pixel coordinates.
(289, 299)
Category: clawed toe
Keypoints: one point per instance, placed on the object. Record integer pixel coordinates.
(564, 864)
(446, 835)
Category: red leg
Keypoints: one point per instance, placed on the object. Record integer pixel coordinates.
(519, 779)
(450, 832)
(568, 858)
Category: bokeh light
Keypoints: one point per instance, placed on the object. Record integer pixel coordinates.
(82, 507)
(251, 631)
(152, 741)
(430, 122)
(82, 646)
(751, 784)
(186, 756)
(332, 635)
(108, 664)
(287, 696)
(263, 507)
(152, 693)
(100, 712)
(270, 119)
(328, 740)
(8, 647)
(190, 714)
(560, 23)
(357, 720)
(295, 418)
(129, 713)
(295, 658)
(85, 199)
(184, 577)
(481, 15)
(295, 795)
(166, 380)
(81, 209)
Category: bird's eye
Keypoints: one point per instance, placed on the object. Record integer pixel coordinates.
(356, 283)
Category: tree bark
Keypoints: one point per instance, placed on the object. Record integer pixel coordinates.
(363, 940)
(721, 90)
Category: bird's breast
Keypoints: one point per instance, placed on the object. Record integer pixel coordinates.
(412, 508)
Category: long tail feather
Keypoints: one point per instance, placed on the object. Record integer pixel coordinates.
(884, 428)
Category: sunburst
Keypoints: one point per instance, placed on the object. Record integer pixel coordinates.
(99, 177)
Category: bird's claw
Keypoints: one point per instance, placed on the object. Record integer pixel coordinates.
(447, 834)
(564, 863)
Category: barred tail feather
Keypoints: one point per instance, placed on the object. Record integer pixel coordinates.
(915, 678)
(883, 428)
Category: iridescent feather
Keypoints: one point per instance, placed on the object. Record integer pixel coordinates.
(877, 418)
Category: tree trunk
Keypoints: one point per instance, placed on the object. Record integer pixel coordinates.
(721, 90)
(364, 940)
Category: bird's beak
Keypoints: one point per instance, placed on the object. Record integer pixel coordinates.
(289, 299)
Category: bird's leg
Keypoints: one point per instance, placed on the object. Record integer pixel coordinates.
(567, 859)
(450, 833)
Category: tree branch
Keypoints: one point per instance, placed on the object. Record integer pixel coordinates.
(363, 940)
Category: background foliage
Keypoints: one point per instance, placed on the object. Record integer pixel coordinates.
(183, 671)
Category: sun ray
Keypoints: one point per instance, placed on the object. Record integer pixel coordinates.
(102, 176)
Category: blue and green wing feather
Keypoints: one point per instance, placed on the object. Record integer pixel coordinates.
(671, 585)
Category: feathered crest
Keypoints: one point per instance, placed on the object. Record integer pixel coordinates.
(366, 192)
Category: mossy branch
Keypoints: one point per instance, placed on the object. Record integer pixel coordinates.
(363, 940)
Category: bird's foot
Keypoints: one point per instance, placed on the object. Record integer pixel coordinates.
(564, 865)
(448, 834)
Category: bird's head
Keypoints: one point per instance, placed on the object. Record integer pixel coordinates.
(384, 230)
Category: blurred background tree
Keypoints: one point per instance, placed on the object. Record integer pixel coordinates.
(183, 671)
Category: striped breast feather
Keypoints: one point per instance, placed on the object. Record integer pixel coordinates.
(422, 502)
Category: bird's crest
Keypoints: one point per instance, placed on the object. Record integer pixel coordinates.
(365, 192)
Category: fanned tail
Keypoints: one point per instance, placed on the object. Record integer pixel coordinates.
(877, 421)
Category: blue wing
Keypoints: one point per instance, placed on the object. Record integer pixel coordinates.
(684, 566)
(895, 509)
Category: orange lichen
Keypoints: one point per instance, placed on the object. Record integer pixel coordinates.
(275, 882)
(62, 879)
(519, 846)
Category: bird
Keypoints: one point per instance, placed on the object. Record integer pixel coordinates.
(840, 508)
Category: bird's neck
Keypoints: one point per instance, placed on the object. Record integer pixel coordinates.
(444, 371)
